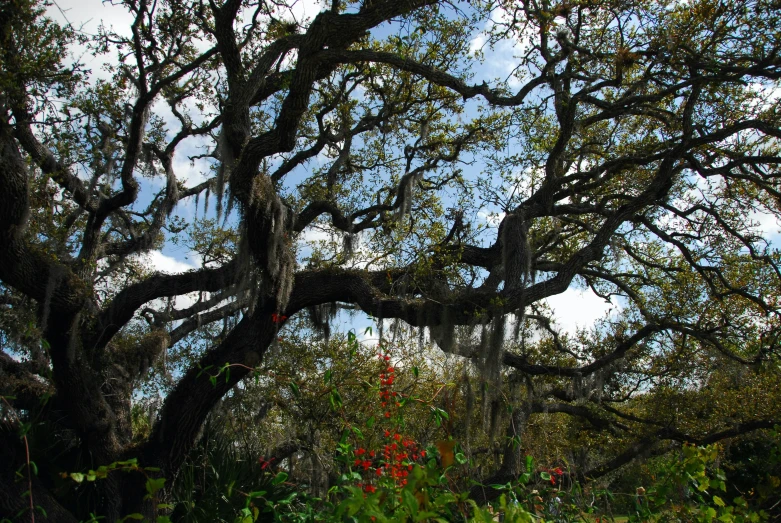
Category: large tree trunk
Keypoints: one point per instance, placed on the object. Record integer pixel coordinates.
(510, 467)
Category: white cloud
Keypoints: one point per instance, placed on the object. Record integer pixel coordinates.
(159, 262)
(87, 15)
(305, 10)
(578, 308)
(477, 43)
(330, 240)
(767, 224)
(315, 234)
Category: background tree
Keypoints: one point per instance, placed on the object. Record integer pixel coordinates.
(630, 150)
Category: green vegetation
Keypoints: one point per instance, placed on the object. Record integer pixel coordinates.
(270, 261)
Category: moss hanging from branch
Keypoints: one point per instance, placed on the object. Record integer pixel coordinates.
(321, 316)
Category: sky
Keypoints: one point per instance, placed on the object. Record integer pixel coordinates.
(575, 308)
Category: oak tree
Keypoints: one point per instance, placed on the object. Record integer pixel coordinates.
(631, 148)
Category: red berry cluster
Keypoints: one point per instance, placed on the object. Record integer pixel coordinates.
(387, 396)
(361, 461)
(398, 456)
(264, 463)
(399, 452)
(554, 473)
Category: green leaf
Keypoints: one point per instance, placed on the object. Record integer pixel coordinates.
(137, 517)
(718, 501)
(294, 388)
(545, 476)
(409, 500)
(279, 478)
(289, 498)
(245, 516)
(78, 477)
(703, 485)
(370, 422)
(438, 415)
(327, 376)
(415, 371)
(460, 458)
(525, 477)
(336, 399)
(153, 485)
(24, 428)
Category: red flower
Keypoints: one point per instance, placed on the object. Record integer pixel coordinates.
(371, 489)
(277, 318)
(359, 452)
(265, 464)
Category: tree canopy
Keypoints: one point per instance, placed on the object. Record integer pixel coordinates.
(366, 159)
